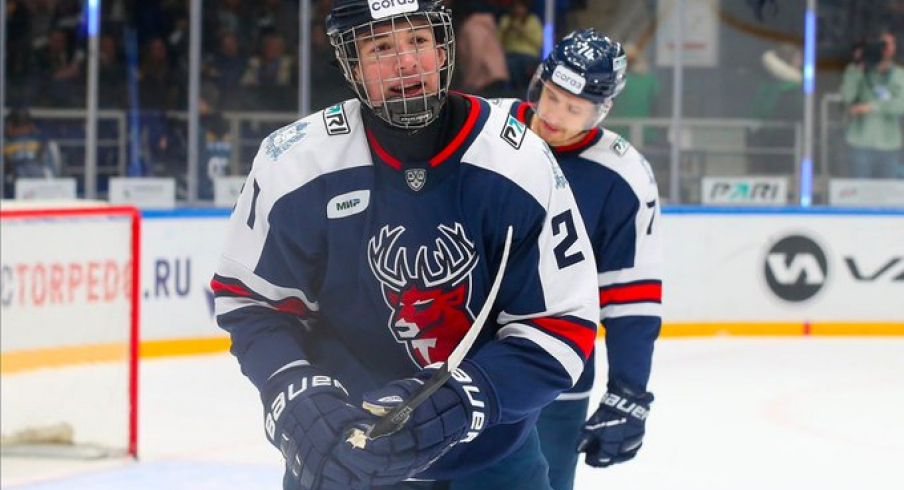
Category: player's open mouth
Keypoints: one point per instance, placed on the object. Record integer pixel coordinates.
(410, 90)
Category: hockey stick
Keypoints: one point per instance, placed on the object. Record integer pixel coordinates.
(395, 418)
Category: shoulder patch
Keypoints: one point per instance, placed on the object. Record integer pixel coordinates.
(335, 121)
(283, 139)
(620, 146)
(513, 132)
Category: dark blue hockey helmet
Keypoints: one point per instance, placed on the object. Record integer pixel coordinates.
(409, 97)
(585, 64)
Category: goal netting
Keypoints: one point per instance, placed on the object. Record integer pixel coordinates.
(69, 336)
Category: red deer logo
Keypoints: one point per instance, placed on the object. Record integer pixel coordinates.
(429, 303)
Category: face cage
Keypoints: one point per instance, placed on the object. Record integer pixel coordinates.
(403, 112)
(535, 90)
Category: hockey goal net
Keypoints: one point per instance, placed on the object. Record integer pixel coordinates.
(69, 340)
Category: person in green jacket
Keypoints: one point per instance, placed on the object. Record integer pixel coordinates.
(873, 89)
(521, 35)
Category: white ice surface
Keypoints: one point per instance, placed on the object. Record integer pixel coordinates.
(730, 413)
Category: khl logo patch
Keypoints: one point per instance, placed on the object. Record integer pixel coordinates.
(416, 178)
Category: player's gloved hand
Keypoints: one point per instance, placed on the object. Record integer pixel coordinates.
(306, 414)
(615, 432)
(456, 413)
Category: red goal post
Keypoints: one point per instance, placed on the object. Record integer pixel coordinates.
(69, 298)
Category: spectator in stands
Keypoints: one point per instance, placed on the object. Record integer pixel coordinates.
(233, 16)
(18, 26)
(27, 152)
(779, 98)
(177, 38)
(521, 35)
(277, 17)
(59, 71)
(111, 73)
(217, 146)
(271, 74)
(225, 69)
(873, 89)
(40, 19)
(157, 78)
(481, 60)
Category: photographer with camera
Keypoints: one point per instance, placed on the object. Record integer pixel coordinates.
(873, 89)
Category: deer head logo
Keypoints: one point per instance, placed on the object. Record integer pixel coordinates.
(429, 302)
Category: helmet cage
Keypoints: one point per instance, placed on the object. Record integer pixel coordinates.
(407, 112)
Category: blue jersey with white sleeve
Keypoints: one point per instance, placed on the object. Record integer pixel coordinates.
(618, 198)
(343, 256)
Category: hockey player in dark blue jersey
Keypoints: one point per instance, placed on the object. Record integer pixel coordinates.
(362, 247)
(616, 191)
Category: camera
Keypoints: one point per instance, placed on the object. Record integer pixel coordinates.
(873, 52)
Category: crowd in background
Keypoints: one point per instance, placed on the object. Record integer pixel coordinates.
(249, 50)
(250, 63)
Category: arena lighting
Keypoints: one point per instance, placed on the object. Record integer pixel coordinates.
(549, 27)
(806, 164)
(93, 15)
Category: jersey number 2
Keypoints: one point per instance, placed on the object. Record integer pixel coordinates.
(564, 224)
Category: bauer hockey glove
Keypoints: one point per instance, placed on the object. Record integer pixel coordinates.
(615, 432)
(456, 413)
(306, 414)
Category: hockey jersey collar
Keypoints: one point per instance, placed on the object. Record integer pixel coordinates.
(477, 116)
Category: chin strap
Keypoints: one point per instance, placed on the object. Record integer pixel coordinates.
(411, 114)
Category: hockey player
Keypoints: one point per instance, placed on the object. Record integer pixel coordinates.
(365, 241)
(615, 189)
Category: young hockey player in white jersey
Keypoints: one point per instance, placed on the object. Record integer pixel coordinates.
(362, 248)
(569, 96)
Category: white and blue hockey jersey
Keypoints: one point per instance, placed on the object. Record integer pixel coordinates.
(619, 200)
(371, 268)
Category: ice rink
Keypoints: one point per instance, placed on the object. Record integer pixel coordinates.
(730, 413)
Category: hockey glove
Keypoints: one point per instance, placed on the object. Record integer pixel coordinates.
(305, 416)
(456, 413)
(615, 432)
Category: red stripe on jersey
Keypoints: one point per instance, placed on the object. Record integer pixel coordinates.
(219, 287)
(386, 157)
(650, 292)
(462, 134)
(521, 114)
(580, 144)
(292, 305)
(288, 305)
(580, 335)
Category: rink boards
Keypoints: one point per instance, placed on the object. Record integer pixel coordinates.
(727, 271)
